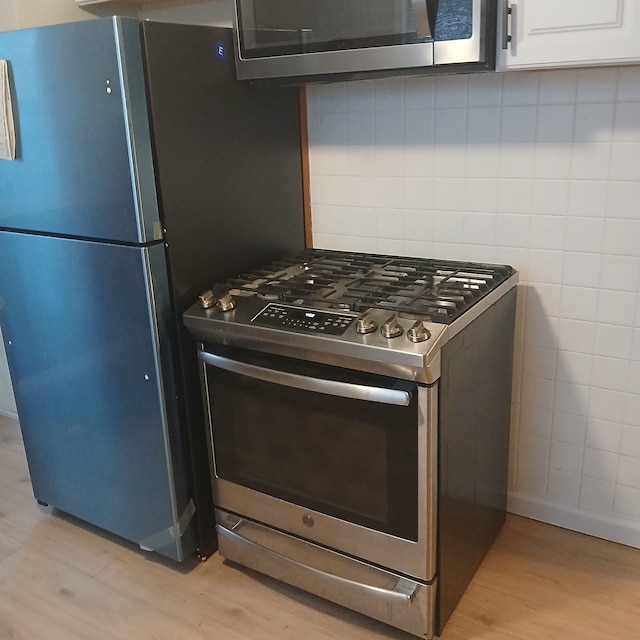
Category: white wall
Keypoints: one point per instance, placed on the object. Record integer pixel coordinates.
(23, 14)
(541, 171)
(214, 12)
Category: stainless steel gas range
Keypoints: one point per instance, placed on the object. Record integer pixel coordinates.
(359, 412)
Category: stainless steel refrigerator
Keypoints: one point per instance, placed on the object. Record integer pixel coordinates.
(144, 172)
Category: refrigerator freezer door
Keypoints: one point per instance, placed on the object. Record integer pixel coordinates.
(84, 329)
(82, 133)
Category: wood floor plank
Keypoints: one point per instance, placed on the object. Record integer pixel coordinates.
(60, 578)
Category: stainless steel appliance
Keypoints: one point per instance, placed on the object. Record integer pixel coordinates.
(359, 410)
(135, 146)
(311, 40)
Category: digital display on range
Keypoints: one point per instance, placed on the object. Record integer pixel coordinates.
(300, 319)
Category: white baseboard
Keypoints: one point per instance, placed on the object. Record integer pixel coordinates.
(615, 529)
(9, 414)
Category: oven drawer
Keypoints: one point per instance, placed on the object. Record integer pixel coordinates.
(377, 593)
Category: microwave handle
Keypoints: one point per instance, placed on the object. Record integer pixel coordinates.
(330, 387)
(421, 18)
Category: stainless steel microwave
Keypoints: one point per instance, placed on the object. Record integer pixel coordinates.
(318, 40)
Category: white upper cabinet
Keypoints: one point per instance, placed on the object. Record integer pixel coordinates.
(563, 33)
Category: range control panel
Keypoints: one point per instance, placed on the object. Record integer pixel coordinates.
(300, 319)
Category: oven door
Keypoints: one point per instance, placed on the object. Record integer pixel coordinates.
(338, 457)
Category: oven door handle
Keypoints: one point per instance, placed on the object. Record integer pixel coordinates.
(317, 385)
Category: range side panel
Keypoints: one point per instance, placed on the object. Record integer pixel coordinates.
(229, 170)
(475, 416)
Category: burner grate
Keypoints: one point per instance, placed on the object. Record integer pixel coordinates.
(428, 289)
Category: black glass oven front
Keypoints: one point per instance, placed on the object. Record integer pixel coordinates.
(353, 459)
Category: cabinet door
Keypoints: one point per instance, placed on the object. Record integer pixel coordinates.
(548, 33)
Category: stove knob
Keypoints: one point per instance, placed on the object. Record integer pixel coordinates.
(226, 303)
(207, 299)
(366, 324)
(391, 328)
(418, 332)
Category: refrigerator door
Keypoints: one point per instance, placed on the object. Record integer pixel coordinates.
(85, 330)
(82, 134)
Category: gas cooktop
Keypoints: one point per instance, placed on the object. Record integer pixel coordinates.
(431, 290)
(337, 306)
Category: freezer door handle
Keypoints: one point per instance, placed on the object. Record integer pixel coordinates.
(287, 379)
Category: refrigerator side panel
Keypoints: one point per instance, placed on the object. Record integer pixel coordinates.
(94, 409)
(228, 158)
(229, 166)
(73, 174)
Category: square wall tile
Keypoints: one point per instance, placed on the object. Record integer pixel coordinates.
(535, 420)
(555, 123)
(587, 198)
(629, 84)
(597, 85)
(597, 494)
(569, 427)
(600, 464)
(565, 456)
(532, 448)
(593, 122)
(564, 486)
(550, 196)
(610, 373)
(419, 92)
(629, 471)
(604, 435)
(531, 479)
(574, 367)
(627, 501)
(558, 87)
(577, 335)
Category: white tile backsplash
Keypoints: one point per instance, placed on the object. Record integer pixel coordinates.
(536, 169)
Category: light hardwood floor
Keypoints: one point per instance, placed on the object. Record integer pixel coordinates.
(61, 579)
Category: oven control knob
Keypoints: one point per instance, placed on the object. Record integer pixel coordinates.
(391, 328)
(207, 299)
(366, 324)
(418, 332)
(226, 302)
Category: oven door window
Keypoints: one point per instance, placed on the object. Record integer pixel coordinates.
(350, 458)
